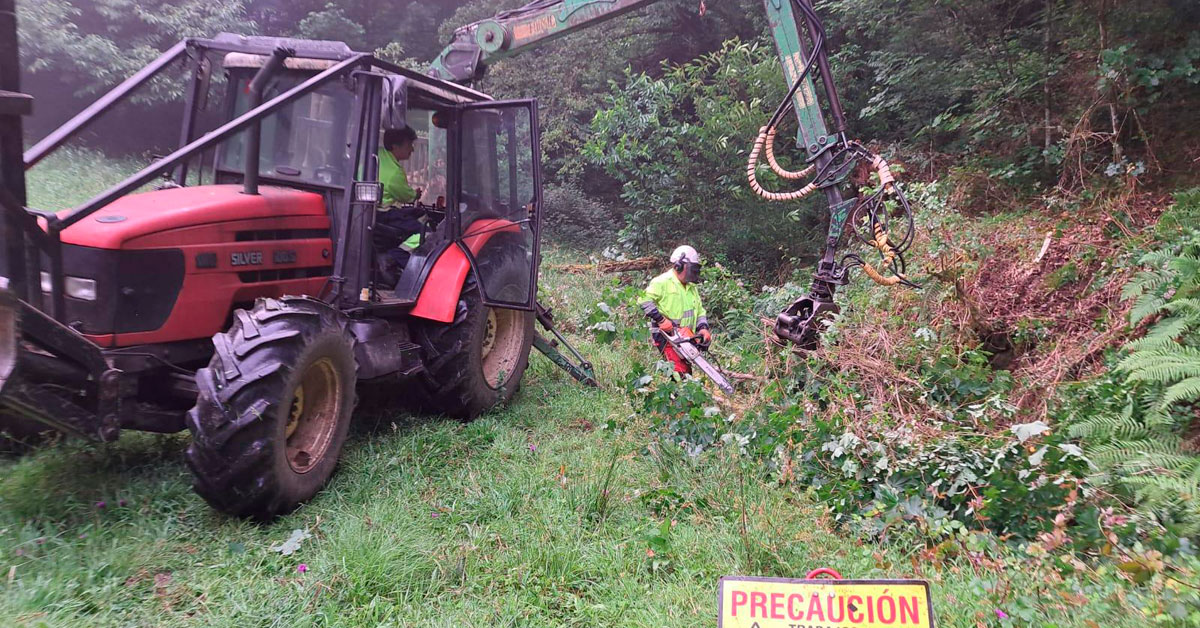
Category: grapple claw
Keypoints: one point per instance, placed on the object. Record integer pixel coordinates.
(802, 322)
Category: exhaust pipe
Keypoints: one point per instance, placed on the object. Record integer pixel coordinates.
(254, 139)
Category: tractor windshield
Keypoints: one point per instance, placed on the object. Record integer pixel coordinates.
(307, 140)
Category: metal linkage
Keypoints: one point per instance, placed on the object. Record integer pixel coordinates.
(580, 369)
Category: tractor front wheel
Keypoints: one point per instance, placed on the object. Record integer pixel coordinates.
(273, 409)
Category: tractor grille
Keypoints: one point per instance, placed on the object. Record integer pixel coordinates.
(259, 235)
(135, 290)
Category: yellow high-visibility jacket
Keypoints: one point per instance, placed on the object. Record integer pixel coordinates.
(396, 190)
(670, 298)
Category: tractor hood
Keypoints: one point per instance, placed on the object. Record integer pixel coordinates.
(136, 215)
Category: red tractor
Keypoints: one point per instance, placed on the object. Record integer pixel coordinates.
(242, 297)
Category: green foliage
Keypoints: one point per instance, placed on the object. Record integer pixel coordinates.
(957, 380)
(682, 410)
(726, 298)
(875, 477)
(1182, 216)
(574, 219)
(1140, 419)
(616, 315)
(90, 46)
(73, 50)
(1150, 74)
(571, 77)
(677, 145)
(331, 22)
(1009, 486)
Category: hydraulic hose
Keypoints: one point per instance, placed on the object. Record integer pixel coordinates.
(891, 253)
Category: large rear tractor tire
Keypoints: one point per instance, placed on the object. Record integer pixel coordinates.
(273, 409)
(476, 362)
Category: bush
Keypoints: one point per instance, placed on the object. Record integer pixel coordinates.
(576, 220)
(726, 299)
(677, 147)
(879, 474)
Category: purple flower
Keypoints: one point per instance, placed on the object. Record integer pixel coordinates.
(83, 536)
(302, 568)
(1001, 614)
(532, 448)
(101, 504)
(435, 515)
(121, 503)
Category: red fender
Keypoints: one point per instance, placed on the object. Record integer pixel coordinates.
(443, 285)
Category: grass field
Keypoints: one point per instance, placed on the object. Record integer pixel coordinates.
(539, 514)
(71, 176)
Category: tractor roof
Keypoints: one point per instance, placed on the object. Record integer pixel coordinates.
(315, 55)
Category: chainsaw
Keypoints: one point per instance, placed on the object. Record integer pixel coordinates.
(687, 345)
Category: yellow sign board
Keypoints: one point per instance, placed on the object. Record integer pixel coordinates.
(747, 602)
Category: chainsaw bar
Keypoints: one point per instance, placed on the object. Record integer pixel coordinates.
(688, 351)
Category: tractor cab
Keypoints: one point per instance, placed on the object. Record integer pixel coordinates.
(475, 163)
(470, 153)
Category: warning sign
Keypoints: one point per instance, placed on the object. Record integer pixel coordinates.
(747, 602)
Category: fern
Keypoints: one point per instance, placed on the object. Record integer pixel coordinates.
(1162, 365)
(1164, 333)
(1186, 390)
(1100, 426)
(1137, 436)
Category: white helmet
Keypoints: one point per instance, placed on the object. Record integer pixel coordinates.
(687, 264)
(685, 254)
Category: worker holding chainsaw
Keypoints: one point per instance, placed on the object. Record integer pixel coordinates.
(672, 303)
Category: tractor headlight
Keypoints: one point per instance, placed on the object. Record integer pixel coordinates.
(75, 287)
(80, 288)
(367, 192)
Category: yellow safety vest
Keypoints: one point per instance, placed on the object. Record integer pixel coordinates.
(674, 300)
(395, 182)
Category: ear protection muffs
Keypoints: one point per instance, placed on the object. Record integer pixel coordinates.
(680, 261)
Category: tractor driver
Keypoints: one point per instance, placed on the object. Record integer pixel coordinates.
(672, 303)
(398, 220)
(397, 146)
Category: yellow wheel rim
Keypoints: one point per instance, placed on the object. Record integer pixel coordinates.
(502, 341)
(297, 410)
(314, 415)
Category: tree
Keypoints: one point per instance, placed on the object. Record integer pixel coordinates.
(676, 148)
(94, 44)
(73, 50)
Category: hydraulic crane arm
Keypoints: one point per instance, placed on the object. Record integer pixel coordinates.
(474, 46)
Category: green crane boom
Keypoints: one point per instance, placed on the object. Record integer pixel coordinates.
(475, 46)
(831, 157)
